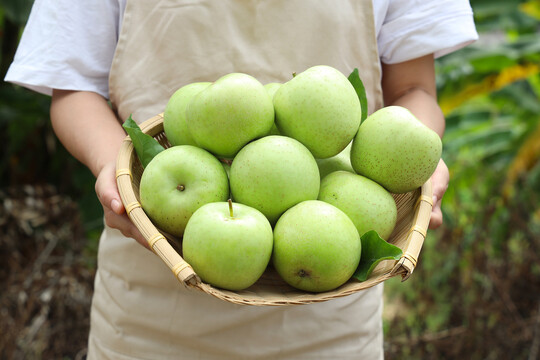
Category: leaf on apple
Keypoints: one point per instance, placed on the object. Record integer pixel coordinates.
(146, 146)
(358, 85)
(374, 250)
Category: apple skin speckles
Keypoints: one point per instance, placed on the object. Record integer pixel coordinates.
(393, 148)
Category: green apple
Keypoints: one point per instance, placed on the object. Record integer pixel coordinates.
(230, 113)
(320, 108)
(316, 246)
(227, 167)
(178, 181)
(341, 161)
(368, 204)
(174, 116)
(274, 173)
(395, 149)
(272, 88)
(228, 244)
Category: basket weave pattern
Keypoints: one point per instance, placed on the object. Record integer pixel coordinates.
(413, 209)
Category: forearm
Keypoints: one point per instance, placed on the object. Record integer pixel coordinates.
(87, 127)
(412, 85)
(424, 106)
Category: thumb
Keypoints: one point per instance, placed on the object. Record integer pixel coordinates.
(107, 190)
(116, 206)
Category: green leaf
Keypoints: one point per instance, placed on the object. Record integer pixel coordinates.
(358, 85)
(146, 146)
(374, 250)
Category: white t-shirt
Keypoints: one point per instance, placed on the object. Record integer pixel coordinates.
(70, 44)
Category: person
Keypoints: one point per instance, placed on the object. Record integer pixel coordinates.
(104, 60)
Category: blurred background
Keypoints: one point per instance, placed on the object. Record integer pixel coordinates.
(476, 291)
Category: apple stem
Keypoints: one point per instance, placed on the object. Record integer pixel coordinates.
(294, 74)
(180, 187)
(226, 161)
(230, 207)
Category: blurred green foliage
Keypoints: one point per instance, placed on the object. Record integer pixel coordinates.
(31, 154)
(16, 11)
(476, 291)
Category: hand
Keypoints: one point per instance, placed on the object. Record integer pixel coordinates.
(439, 182)
(115, 215)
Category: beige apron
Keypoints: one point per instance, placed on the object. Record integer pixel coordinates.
(139, 309)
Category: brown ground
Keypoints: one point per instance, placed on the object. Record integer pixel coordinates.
(46, 286)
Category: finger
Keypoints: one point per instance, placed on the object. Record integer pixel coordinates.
(439, 181)
(436, 219)
(107, 190)
(439, 190)
(125, 226)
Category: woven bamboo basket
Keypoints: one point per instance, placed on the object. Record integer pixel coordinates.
(413, 208)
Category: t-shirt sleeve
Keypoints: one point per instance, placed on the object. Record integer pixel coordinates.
(414, 28)
(67, 45)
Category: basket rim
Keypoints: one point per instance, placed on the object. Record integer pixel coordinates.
(158, 240)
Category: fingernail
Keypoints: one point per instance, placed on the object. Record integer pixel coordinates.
(116, 206)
